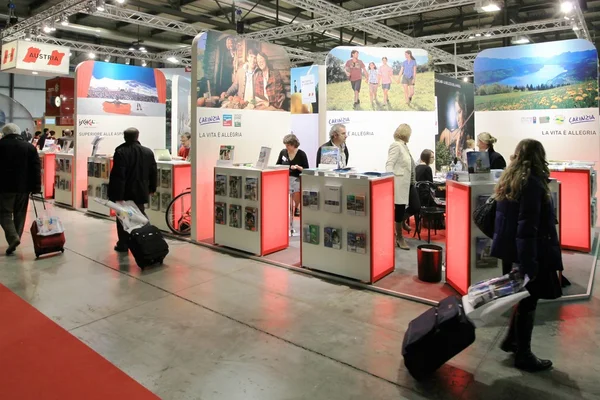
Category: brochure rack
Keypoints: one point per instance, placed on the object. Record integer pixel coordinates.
(63, 180)
(173, 178)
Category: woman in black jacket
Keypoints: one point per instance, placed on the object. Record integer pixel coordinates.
(486, 142)
(297, 160)
(525, 238)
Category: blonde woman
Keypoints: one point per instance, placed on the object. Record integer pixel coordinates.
(486, 142)
(402, 165)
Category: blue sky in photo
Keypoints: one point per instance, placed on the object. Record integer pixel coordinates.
(548, 49)
(300, 71)
(374, 54)
(122, 72)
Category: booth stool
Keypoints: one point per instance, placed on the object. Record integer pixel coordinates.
(429, 260)
(432, 216)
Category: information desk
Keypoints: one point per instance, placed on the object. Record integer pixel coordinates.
(348, 225)
(63, 180)
(468, 259)
(47, 163)
(251, 209)
(173, 178)
(576, 212)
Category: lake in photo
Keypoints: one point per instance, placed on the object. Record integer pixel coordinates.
(547, 73)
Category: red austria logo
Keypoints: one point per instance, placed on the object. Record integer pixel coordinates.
(34, 54)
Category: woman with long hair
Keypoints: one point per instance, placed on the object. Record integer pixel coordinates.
(455, 139)
(526, 241)
(408, 74)
(268, 84)
(373, 80)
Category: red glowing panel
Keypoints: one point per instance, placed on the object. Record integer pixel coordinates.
(458, 238)
(382, 228)
(575, 218)
(274, 214)
(49, 172)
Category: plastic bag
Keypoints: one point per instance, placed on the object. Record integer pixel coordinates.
(486, 291)
(48, 226)
(493, 310)
(128, 213)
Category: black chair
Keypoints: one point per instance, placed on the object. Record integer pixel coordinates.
(430, 214)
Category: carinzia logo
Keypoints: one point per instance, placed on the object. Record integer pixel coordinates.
(580, 119)
(86, 123)
(209, 120)
(340, 120)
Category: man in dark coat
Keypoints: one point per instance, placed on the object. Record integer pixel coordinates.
(133, 177)
(42, 139)
(337, 136)
(21, 175)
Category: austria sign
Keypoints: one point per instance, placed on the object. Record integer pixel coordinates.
(23, 57)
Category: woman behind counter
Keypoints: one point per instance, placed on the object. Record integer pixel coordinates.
(297, 160)
(401, 164)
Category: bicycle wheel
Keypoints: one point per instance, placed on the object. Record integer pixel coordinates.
(179, 214)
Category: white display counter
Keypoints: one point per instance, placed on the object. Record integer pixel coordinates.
(98, 173)
(63, 180)
(347, 225)
(173, 178)
(251, 209)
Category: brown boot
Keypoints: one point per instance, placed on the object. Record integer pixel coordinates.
(400, 242)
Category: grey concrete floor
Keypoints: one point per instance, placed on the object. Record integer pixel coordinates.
(211, 326)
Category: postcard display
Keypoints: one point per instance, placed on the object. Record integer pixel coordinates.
(47, 162)
(578, 192)
(468, 259)
(348, 225)
(63, 180)
(173, 178)
(98, 172)
(251, 209)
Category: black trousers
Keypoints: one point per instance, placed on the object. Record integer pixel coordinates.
(13, 212)
(122, 233)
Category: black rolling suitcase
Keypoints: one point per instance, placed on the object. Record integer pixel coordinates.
(148, 246)
(436, 336)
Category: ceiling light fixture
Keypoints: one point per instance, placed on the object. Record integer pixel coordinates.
(566, 7)
(491, 7)
(465, 79)
(471, 37)
(488, 34)
(121, 1)
(520, 40)
(127, 61)
(576, 27)
(34, 72)
(172, 60)
(28, 36)
(100, 5)
(478, 35)
(144, 63)
(92, 55)
(46, 27)
(64, 20)
(107, 59)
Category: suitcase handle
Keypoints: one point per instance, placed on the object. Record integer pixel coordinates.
(34, 207)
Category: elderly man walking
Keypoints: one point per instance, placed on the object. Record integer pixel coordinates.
(21, 176)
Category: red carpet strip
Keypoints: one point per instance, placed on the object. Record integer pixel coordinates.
(39, 360)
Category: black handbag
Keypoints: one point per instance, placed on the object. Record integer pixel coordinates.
(485, 217)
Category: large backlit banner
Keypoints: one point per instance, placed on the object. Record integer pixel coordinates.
(109, 99)
(546, 91)
(372, 90)
(178, 106)
(241, 89)
(456, 122)
(305, 107)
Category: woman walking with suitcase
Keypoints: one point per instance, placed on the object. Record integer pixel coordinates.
(525, 239)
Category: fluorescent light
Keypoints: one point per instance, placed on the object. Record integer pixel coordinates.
(34, 72)
(92, 55)
(521, 40)
(478, 35)
(566, 7)
(131, 48)
(172, 60)
(121, 1)
(471, 37)
(488, 35)
(491, 7)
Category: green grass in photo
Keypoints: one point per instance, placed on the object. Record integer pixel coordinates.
(340, 96)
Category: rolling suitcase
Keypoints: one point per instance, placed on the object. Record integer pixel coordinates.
(436, 336)
(148, 246)
(46, 244)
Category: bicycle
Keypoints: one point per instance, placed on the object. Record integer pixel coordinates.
(179, 213)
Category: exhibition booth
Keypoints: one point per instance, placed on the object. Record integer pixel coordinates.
(243, 97)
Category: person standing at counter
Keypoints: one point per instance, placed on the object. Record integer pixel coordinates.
(401, 164)
(525, 239)
(337, 136)
(486, 142)
(297, 160)
(423, 172)
(186, 142)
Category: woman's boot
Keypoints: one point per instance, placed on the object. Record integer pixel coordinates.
(509, 344)
(400, 242)
(524, 359)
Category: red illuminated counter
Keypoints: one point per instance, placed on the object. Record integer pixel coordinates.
(467, 248)
(173, 178)
(348, 225)
(251, 209)
(576, 215)
(47, 161)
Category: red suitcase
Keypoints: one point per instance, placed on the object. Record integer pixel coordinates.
(46, 244)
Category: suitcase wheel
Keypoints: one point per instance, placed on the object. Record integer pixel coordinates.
(62, 250)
